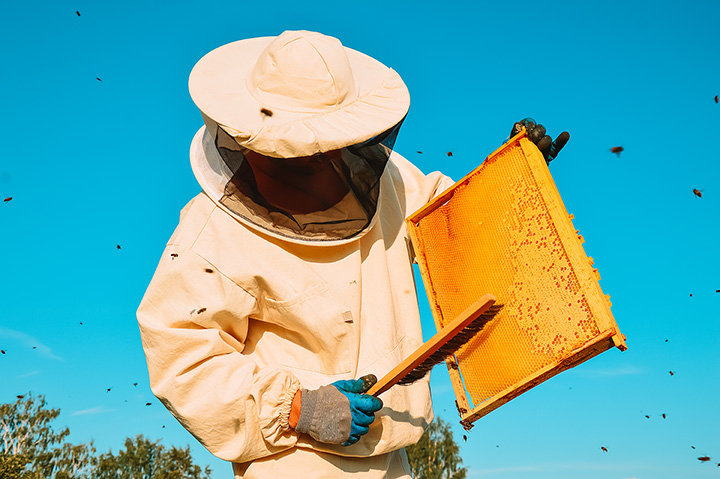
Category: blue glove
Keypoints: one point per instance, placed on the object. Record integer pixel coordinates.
(338, 413)
(544, 143)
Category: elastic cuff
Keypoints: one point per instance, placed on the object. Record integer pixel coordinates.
(286, 405)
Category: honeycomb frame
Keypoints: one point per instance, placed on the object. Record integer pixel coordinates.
(503, 229)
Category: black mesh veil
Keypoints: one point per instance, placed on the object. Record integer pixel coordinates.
(358, 166)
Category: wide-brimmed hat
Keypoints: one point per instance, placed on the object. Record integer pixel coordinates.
(297, 94)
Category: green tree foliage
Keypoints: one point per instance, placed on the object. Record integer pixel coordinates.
(436, 455)
(13, 467)
(27, 435)
(144, 459)
(31, 449)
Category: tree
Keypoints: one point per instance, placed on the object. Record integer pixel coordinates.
(31, 449)
(436, 455)
(13, 467)
(75, 461)
(28, 437)
(144, 459)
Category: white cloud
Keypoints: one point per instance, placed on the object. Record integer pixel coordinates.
(29, 341)
(94, 410)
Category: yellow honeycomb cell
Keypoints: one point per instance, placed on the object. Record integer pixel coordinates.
(503, 229)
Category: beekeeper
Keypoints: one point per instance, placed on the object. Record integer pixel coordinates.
(290, 275)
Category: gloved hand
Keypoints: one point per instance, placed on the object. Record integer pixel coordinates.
(536, 134)
(338, 413)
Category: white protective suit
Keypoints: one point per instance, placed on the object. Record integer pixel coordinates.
(236, 320)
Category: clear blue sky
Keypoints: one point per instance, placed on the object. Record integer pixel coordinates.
(92, 164)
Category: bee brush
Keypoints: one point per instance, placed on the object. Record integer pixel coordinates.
(445, 343)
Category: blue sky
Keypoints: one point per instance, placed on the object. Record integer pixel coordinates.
(91, 164)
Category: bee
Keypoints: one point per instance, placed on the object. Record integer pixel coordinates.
(148, 403)
(716, 99)
(108, 389)
(464, 438)
(173, 255)
(201, 310)
(647, 416)
(449, 153)
(693, 447)
(617, 150)
(208, 270)
(664, 416)
(2, 351)
(20, 396)
(467, 425)
(78, 14)
(118, 246)
(604, 449)
(672, 373)
(266, 112)
(697, 192)
(717, 290)
(7, 200)
(703, 459)
(98, 79)
(419, 152)
(134, 384)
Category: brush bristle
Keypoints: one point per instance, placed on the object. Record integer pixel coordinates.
(452, 346)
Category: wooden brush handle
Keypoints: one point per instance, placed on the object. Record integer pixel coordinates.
(432, 345)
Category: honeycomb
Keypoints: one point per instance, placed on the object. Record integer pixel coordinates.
(503, 229)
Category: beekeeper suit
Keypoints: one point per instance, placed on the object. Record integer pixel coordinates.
(290, 274)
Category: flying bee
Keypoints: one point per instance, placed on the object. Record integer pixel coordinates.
(266, 112)
(7, 200)
(201, 310)
(617, 150)
(173, 255)
(672, 373)
(604, 449)
(716, 99)
(697, 192)
(148, 403)
(208, 270)
(118, 246)
(703, 459)
(449, 153)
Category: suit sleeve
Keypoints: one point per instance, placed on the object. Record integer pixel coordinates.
(193, 322)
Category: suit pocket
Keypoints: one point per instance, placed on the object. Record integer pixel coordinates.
(312, 331)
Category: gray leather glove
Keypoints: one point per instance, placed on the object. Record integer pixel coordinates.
(338, 413)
